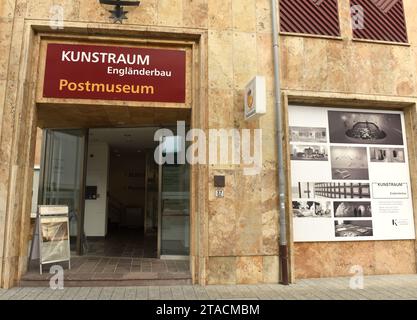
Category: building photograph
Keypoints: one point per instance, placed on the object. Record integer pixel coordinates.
(152, 145)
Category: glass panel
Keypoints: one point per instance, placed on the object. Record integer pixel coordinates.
(63, 175)
(151, 219)
(175, 213)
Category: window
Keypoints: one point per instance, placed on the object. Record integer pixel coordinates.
(382, 20)
(318, 17)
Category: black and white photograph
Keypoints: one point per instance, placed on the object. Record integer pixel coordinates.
(308, 134)
(349, 163)
(323, 209)
(341, 190)
(311, 209)
(387, 155)
(353, 228)
(302, 209)
(365, 128)
(309, 153)
(303, 190)
(352, 209)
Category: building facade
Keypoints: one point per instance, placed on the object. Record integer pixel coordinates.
(234, 238)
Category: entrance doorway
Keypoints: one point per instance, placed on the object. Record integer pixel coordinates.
(122, 203)
(126, 210)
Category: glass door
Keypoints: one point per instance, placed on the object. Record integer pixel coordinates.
(174, 204)
(62, 177)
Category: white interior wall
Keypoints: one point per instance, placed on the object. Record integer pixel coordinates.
(95, 221)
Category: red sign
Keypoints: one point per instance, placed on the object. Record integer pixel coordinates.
(114, 73)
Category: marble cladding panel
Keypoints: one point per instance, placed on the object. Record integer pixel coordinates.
(221, 270)
(270, 269)
(330, 259)
(51, 9)
(220, 60)
(340, 66)
(7, 126)
(220, 14)
(249, 218)
(196, 13)
(6, 26)
(265, 59)
(221, 112)
(222, 216)
(249, 270)
(263, 16)
(244, 15)
(243, 270)
(7, 8)
(170, 12)
(145, 14)
(244, 58)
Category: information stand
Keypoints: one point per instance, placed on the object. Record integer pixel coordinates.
(51, 236)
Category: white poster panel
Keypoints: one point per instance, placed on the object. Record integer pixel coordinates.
(350, 175)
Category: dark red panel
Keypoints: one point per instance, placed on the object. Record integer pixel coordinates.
(114, 73)
(320, 17)
(384, 20)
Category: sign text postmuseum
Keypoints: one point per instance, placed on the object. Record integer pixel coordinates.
(76, 71)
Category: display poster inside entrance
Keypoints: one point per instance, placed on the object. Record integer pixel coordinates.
(350, 175)
(77, 71)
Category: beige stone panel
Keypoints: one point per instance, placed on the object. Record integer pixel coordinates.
(244, 15)
(196, 13)
(270, 269)
(5, 40)
(269, 148)
(382, 70)
(222, 216)
(360, 66)
(2, 99)
(349, 255)
(249, 270)
(263, 16)
(239, 111)
(265, 59)
(170, 13)
(145, 14)
(220, 60)
(7, 10)
(292, 62)
(313, 260)
(244, 58)
(46, 9)
(8, 119)
(38, 147)
(249, 224)
(403, 64)
(270, 231)
(10, 266)
(337, 71)
(221, 270)
(395, 257)
(328, 259)
(344, 20)
(315, 62)
(221, 111)
(220, 14)
(14, 63)
(410, 10)
(93, 11)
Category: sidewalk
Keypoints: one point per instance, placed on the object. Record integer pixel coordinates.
(375, 287)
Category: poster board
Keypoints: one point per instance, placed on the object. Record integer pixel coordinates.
(53, 234)
(350, 175)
